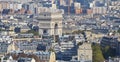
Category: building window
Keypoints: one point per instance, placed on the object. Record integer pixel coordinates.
(45, 31)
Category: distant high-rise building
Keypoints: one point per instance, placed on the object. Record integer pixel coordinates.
(10, 5)
(99, 10)
(21, 1)
(66, 2)
(77, 5)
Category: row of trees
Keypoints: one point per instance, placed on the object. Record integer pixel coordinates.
(97, 53)
(118, 31)
(34, 32)
(108, 52)
(102, 53)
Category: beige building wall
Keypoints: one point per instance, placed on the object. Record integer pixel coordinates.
(52, 57)
(33, 60)
(99, 10)
(11, 33)
(24, 30)
(12, 47)
(54, 6)
(85, 52)
(91, 35)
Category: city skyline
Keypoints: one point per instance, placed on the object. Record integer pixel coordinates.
(59, 31)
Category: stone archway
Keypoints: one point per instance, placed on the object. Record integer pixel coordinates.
(56, 26)
(56, 29)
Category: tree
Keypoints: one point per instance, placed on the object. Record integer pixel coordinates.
(108, 52)
(118, 31)
(78, 32)
(2, 29)
(80, 43)
(34, 32)
(51, 49)
(97, 53)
